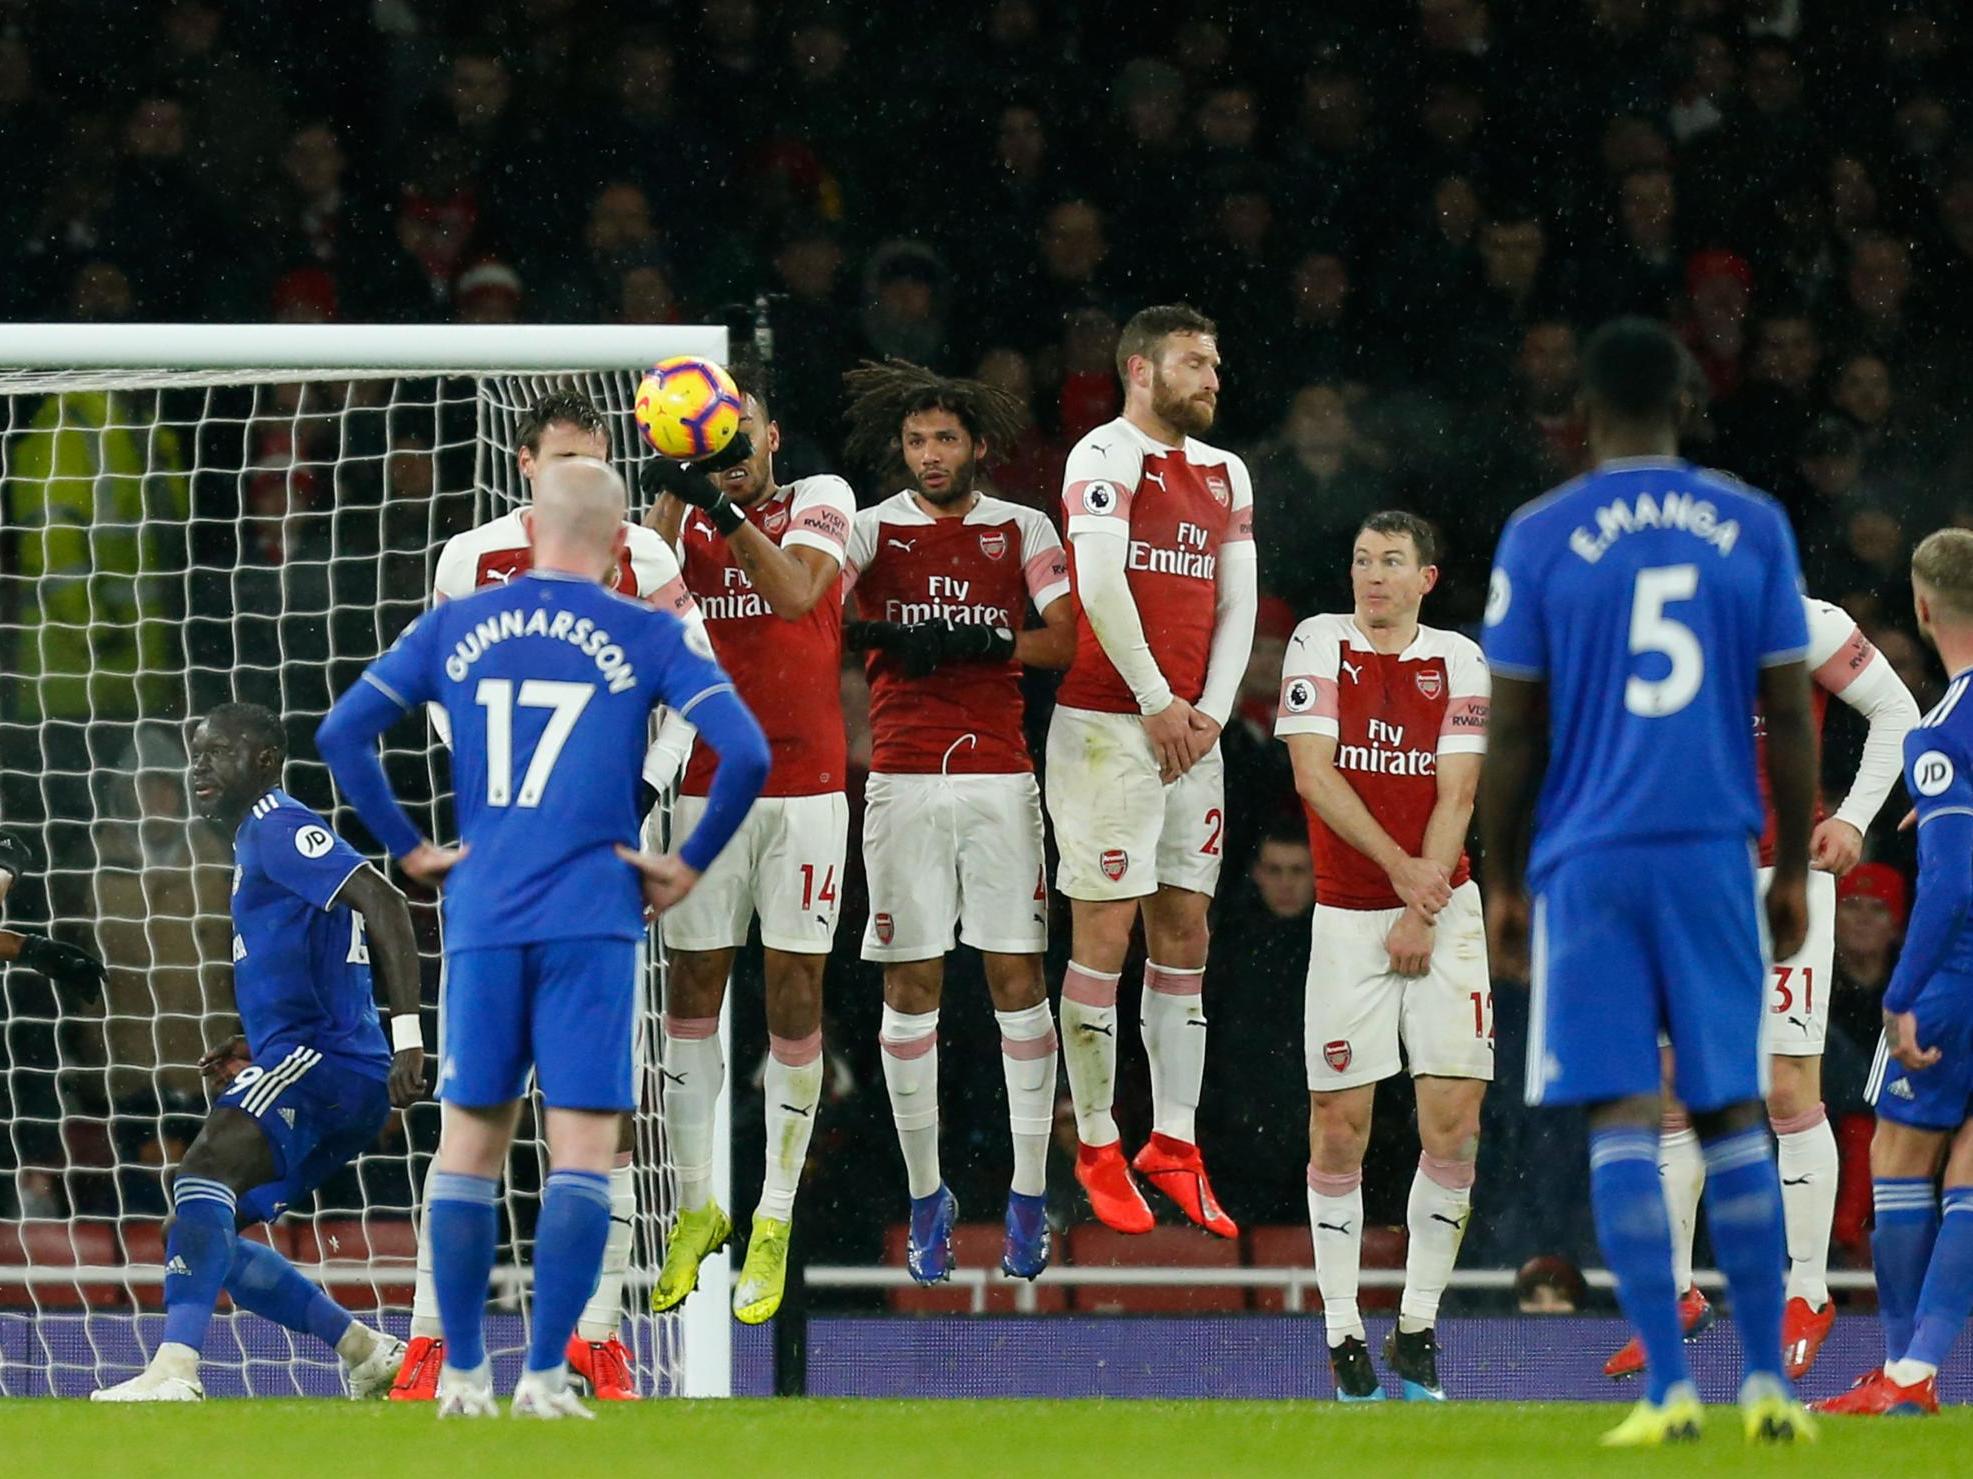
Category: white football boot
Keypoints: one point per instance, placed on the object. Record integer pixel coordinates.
(373, 1370)
(538, 1395)
(466, 1393)
(172, 1376)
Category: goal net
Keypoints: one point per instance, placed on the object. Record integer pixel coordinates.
(191, 515)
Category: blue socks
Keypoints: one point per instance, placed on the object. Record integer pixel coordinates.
(1900, 1250)
(1743, 1213)
(1947, 1294)
(1636, 1238)
(568, 1257)
(264, 1282)
(463, 1228)
(197, 1257)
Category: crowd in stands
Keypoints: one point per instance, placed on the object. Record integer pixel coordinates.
(1405, 215)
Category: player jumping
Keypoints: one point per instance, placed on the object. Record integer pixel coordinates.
(560, 425)
(548, 683)
(308, 1086)
(952, 820)
(765, 563)
(1387, 721)
(1841, 662)
(1922, 1081)
(1648, 605)
(1161, 527)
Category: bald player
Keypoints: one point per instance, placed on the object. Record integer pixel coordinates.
(548, 683)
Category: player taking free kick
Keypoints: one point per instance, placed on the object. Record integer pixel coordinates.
(1161, 530)
(765, 562)
(548, 683)
(952, 819)
(310, 1083)
(1386, 721)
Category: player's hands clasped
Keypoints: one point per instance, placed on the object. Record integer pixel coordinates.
(1423, 885)
(1409, 944)
(924, 645)
(1901, 1041)
(68, 964)
(692, 482)
(1835, 847)
(1180, 735)
(667, 878)
(407, 1077)
(1787, 914)
(429, 864)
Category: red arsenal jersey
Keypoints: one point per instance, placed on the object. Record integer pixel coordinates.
(498, 550)
(983, 567)
(787, 672)
(1392, 715)
(1177, 507)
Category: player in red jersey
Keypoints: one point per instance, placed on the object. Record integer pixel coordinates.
(561, 424)
(1161, 527)
(764, 561)
(1843, 663)
(1386, 721)
(952, 835)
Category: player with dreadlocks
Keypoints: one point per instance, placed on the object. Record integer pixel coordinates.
(944, 574)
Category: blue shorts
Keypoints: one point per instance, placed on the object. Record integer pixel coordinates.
(1939, 1097)
(317, 1113)
(1633, 941)
(565, 1008)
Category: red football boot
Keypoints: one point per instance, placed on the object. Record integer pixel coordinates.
(605, 1365)
(1695, 1313)
(1876, 1395)
(1176, 1169)
(417, 1378)
(1113, 1196)
(1803, 1330)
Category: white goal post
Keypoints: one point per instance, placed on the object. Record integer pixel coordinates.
(191, 513)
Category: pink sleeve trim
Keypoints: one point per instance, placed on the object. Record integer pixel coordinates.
(1044, 571)
(1324, 703)
(1465, 716)
(1846, 663)
(673, 596)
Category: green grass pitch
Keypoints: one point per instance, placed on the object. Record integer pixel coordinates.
(864, 1438)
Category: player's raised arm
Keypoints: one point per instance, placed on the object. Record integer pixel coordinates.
(393, 946)
(1846, 664)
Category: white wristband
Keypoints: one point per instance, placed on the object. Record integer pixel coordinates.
(406, 1032)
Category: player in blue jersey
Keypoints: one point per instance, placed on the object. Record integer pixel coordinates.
(549, 683)
(1922, 1081)
(310, 1082)
(1648, 606)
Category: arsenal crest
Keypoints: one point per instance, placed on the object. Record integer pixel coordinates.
(1431, 682)
(776, 521)
(1114, 863)
(994, 545)
(1216, 485)
(1337, 1054)
(885, 927)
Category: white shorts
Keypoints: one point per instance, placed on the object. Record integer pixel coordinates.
(940, 849)
(1121, 831)
(1356, 1010)
(1798, 989)
(785, 863)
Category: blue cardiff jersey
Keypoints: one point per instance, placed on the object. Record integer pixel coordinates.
(301, 968)
(549, 682)
(1938, 771)
(1648, 595)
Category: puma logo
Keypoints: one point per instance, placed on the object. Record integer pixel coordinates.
(797, 1109)
(1344, 1228)
(672, 1078)
(1798, 1181)
(1097, 1027)
(1152, 477)
(1355, 672)
(1448, 1221)
(904, 544)
(500, 577)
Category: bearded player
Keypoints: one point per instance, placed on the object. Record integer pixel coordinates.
(1161, 534)
(562, 424)
(1386, 721)
(765, 562)
(1844, 663)
(952, 821)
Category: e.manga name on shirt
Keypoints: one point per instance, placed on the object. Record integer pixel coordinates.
(1696, 516)
(946, 599)
(1193, 557)
(579, 631)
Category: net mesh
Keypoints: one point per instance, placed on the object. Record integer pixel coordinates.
(169, 542)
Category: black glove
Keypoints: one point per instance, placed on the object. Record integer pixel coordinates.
(923, 645)
(691, 482)
(862, 636)
(58, 962)
(14, 856)
(973, 642)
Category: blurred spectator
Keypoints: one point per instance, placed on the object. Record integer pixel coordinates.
(1260, 781)
(1719, 287)
(1763, 428)
(238, 112)
(1549, 1285)
(1643, 273)
(620, 234)
(906, 297)
(1313, 486)
(489, 292)
(1030, 471)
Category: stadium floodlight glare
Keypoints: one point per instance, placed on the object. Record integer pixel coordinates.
(202, 512)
